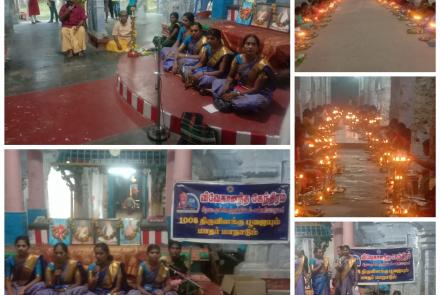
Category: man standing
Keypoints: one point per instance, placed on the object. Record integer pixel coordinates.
(346, 276)
(34, 10)
(53, 11)
(73, 34)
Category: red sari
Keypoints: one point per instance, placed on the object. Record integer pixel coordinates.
(33, 7)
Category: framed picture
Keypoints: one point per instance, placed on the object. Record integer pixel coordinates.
(130, 233)
(82, 231)
(59, 231)
(262, 15)
(246, 12)
(107, 231)
(281, 19)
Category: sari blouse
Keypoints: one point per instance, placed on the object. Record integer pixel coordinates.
(68, 276)
(27, 271)
(194, 47)
(215, 58)
(183, 33)
(107, 277)
(249, 72)
(154, 277)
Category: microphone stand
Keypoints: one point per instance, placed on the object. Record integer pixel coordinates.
(158, 133)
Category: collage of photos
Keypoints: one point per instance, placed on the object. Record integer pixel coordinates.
(364, 147)
(149, 147)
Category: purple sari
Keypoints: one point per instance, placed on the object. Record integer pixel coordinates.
(31, 291)
(248, 74)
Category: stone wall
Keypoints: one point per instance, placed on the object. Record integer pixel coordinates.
(311, 92)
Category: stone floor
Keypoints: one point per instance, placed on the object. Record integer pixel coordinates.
(44, 66)
(364, 36)
(362, 180)
(35, 64)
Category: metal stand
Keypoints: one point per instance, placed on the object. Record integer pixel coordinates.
(158, 133)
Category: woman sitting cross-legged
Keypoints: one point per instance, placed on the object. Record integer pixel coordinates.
(183, 33)
(189, 51)
(250, 83)
(64, 275)
(152, 275)
(214, 64)
(105, 275)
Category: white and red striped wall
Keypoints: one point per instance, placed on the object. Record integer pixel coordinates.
(171, 121)
(154, 237)
(39, 237)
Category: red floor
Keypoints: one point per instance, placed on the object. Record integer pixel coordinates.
(73, 114)
(138, 75)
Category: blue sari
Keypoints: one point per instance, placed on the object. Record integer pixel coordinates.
(320, 279)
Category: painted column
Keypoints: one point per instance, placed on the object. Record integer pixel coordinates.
(15, 214)
(220, 9)
(179, 167)
(348, 233)
(36, 204)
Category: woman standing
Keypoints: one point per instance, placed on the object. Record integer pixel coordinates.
(23, 272)
(63, 276)
(319, 266)
(104, 275)
(34, 10)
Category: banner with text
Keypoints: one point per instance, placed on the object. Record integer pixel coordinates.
(384, 266)
(236, 213)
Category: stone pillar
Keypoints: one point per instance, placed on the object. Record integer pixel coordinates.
(337, 236)
(423, 118)
(15, 213)
(10, 16)
(96, 18)
(348, 233)
(179, 167)
(36, 204)
(402, 99)
(426, 240)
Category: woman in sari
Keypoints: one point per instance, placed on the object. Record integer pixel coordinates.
(152, 275)
(319, 267)
(301, 269)
(63, 276)
(213, 64)
(171, 34)
(104, 275)
(250, 83)
(24, 271)
(184, 31)
(189, 51)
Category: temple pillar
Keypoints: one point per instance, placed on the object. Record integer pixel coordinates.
(179, 167)
(36, 204)
(15, 213)
(96, 20)
(348, 233)
(337, 236)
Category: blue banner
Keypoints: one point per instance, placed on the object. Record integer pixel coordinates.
(248, 213)
(384, 266)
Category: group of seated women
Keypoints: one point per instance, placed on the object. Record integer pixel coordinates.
(239, 82)
(25, 272)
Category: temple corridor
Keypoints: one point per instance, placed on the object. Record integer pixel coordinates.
(364, 36)
(361, 179)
